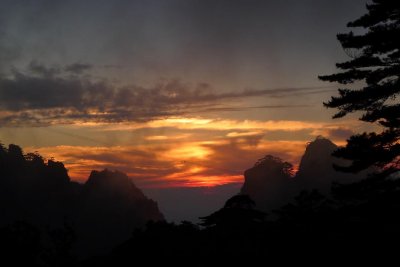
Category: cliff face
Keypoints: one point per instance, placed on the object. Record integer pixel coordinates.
(103, 212)
(271, 184)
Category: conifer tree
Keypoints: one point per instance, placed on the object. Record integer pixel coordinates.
(374, 70)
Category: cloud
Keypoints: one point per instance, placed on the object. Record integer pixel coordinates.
(9, 49)
(164, 138)
(227, 124)
(241, 134)
(175, 164)
(78, 68)
(182, 151)
(225, 108)
(45, 95)
(138, 162)
(225, 155)
(42, 70)
(340, 133)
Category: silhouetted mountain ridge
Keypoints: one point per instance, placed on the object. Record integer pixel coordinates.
(316, 169)
(103, 212)
(112, 182)
(271, 182)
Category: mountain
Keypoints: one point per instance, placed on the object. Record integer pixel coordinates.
(102, 212)
(271, 183)
(112, 205)
(316, 167)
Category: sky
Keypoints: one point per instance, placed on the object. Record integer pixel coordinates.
(177, 93)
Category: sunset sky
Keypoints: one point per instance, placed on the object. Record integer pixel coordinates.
(177, 93)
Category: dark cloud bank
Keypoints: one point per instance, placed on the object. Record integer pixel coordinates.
(50, 95)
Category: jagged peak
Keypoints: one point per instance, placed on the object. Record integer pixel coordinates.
(113, 180)
(269, 164)
(321, 141)
(107, 176)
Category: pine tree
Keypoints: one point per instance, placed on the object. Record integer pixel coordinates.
(374, 67)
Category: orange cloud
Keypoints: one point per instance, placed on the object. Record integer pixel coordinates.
(166, 137)
(205, 123)
(226, 124)
(184, 151)
(184, 164)
(241, 134)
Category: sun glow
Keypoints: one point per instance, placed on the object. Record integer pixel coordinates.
(189, 152)
(186, 179)
(181, 151)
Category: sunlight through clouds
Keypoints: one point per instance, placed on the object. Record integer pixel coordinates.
(184, 151)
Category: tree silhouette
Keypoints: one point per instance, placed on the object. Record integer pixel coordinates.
(375, 67)
(237, 212)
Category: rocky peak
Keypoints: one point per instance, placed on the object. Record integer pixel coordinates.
(114, 182)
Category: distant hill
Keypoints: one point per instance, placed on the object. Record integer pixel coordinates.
(272, 183)
(103, 212)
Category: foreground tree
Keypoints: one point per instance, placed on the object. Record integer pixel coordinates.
(374, 68)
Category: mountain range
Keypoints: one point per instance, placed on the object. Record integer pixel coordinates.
(103, 211)
(108, 207)
(272, 182)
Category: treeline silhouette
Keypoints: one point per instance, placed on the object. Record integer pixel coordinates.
(339, 230)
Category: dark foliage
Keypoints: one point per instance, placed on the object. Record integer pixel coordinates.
(238, 212)
(310, 228)
(375, 67)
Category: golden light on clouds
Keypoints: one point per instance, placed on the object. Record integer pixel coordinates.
(241, 134)
(218, 124)
(184, 164)
(184, 151)
(188, 151)
(236, 126)
(166, 137)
